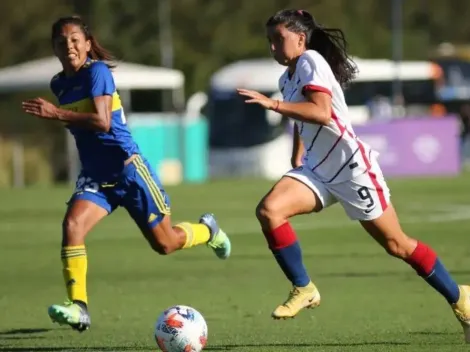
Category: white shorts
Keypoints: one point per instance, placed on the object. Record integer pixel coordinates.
(365, 197)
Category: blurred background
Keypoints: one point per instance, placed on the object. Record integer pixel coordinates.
(181, 61)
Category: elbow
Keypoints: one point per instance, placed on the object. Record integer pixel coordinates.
(105, 128)
(103, 125)
(324, 119)
(321, 115)
(327, 120)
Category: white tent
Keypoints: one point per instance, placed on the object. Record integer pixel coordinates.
(37, 74)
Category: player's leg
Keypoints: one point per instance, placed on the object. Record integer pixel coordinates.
(86, 208)
(148, 204)
(165, 238)
(367, 199)
(387, 231)
(296, 193)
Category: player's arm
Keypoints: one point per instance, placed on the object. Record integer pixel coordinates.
(317, 108)
(297, 148)
(99, 121)
(316, 87)
(101, 90)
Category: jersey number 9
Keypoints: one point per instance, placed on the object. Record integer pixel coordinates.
(364, 194)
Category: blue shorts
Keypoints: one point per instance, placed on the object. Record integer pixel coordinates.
(138, 190)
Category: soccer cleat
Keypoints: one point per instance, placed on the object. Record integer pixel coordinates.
(71, 314)
(462, 311)
(299, 298)
(218, 239)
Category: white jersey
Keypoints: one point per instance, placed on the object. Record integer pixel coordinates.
(333, 153)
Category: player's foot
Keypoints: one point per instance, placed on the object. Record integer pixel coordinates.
(462, 311)
(218, 240)
(72, 314)
(299, 298)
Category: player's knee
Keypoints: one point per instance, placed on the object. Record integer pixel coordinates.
(268, 211)
(262, 213)
(72, 228)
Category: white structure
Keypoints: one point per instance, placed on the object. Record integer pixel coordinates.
(36, 75)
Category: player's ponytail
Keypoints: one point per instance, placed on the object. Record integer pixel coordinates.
(329, 42)
(97, 51)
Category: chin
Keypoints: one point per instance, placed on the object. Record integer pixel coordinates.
(282, 61)
(76, 64)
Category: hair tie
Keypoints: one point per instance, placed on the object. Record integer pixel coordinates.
(300, 12)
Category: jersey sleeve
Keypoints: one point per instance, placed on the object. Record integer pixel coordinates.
(314, 73)
(53, 85)
(101, 80)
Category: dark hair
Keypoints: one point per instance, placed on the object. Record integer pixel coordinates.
(329, 42)
(97, 52)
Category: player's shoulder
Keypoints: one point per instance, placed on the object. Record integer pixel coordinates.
(96, 66)
(57, 78)
(311, 58)
(55, 82)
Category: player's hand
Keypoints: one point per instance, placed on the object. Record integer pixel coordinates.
(258, 98)
(40, 108)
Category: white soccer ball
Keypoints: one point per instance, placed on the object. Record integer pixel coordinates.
(181, 329)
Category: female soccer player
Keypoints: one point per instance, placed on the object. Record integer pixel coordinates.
(114, 173)
(330, 164)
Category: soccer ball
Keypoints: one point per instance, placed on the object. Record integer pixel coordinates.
(181, 329)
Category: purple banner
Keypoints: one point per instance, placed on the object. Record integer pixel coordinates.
(418, 146)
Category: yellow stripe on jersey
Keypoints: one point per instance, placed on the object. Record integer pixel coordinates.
(87, 104)
(154, 189)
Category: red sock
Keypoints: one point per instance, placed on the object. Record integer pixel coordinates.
(282, 236)
(427, 265)
(422, 259)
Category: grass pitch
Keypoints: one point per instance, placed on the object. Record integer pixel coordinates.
(370, 302)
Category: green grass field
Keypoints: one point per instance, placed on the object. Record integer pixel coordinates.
(371, 302)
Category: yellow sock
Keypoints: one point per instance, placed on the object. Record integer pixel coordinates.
(196, 234)
(75, 264)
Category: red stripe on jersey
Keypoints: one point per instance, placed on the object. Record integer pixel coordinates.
(373, 177)
(341, 128)
(314, 88)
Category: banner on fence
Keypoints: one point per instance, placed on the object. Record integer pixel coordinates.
(415, 146)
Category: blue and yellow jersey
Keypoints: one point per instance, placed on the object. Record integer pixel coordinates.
(102, 154)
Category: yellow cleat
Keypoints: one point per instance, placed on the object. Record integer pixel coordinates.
(299, 298)
(462, 311)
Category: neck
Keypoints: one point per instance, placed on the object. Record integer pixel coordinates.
(71, 70)
(292, 65)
